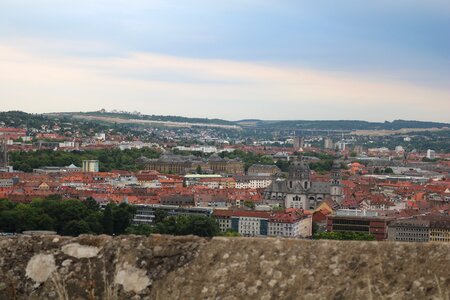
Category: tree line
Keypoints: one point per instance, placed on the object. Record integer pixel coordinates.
(344, 236)
(248, 158)
(109, 159)
(65, 216)
(178, 225)
(73, 217)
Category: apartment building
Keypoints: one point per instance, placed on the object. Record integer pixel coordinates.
(424, 228)
(290, 224)
(252, 182)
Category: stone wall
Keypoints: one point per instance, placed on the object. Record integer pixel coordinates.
(164, 267)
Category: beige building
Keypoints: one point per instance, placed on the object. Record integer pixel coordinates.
(178, 164)
(263, 170)
(440, 230)
(90, 166)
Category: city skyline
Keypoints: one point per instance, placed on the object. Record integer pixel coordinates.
(235, 60)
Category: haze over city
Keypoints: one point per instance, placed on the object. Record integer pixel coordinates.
(371, 60)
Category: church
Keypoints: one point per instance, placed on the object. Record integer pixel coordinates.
(298, 191)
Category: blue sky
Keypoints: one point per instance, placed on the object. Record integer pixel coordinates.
(373, 60)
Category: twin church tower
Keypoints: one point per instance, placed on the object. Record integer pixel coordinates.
(298, 191)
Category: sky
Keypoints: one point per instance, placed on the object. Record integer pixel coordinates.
(307, 60)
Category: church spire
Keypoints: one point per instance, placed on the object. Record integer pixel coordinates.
(336, 190)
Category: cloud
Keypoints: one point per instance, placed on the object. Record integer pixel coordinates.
(154, 83)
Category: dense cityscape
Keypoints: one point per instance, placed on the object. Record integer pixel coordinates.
(224, 150)
(73, 176)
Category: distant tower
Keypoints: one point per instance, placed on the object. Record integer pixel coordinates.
(3, 154)
(276, 135)
(298, 143)
(340, 145)
(328, 143)
(336, 191)
(358, 149)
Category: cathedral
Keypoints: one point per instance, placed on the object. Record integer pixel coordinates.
(298, 191)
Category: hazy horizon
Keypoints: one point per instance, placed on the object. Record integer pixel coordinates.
(233, 60)
(224, 119)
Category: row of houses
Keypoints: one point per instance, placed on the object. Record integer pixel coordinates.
(425, 228)
(288, 223)
(214, 181)
(250, 223)
(429, 227)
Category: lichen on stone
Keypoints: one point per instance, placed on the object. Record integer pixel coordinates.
(80, 251)
(132, 278)
(40, 267)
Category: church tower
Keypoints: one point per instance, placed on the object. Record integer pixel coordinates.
(299, 174)
(298, 185)
(336, 190)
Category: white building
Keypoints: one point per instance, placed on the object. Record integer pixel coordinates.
(249, 226)
(431, 154)
(67, 144)
(252, 182)
(341, 145)
(399, 149)
(245, 222)
(100, 136)
(224, 223)
(137, 145)
(194, 179)
(328, 143)
(290, 224)
(204, 149)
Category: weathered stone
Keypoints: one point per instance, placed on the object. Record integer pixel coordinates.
(164, 267)
(132, 278)
(80, 251)
(40, 267)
